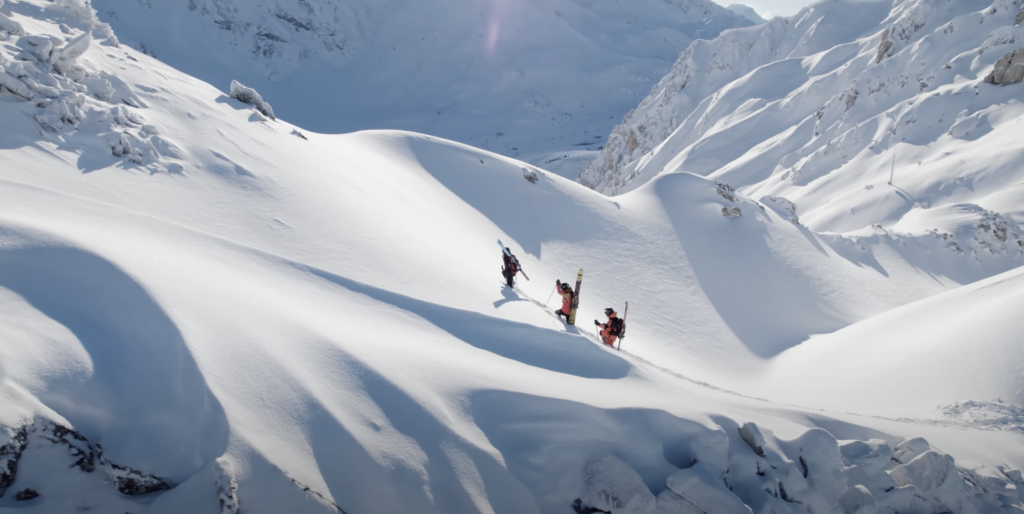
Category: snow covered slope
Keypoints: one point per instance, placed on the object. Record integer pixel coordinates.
(206, 310)
(518, 77)
(975, 326)
(822, 108)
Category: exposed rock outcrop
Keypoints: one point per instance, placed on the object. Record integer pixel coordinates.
(85, 456)
(26, 494)
(1009, 69)
(250, 96)
(10, 455)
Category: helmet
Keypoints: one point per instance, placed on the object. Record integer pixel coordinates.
(609, 311)
(565, 286)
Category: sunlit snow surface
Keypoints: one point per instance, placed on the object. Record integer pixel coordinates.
(293, 322)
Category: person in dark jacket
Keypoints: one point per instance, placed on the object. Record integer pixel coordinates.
(511, 266)
(611, 330)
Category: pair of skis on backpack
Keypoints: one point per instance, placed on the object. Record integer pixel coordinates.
(571, 318)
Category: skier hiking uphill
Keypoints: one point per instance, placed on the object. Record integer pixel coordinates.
(613, 329)
(511, 266)
(567, 295)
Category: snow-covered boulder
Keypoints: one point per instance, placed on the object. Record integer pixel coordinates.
(858, 500)
(699, 487)
(995, 486)
(613, 486)
(909, 450)
(671, 503)
(752, 436)
(250, 96)
(10, 27)
(782, 206)
(872, 455)
(817, 453)
(64, 58)
(938, 482)
(1009, 69)
(14, 85)
(36, 48)
(84, 12)
(57, 113)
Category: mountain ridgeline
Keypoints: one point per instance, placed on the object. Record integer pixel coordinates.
(514, 76)
(825, 107)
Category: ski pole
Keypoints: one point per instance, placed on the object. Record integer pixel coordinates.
(550, 295)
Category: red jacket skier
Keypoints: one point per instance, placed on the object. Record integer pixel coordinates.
(566, 293)
(612, 329)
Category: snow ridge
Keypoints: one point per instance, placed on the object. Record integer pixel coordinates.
(701, 74)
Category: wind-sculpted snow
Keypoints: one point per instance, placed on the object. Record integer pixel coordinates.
(125, 353)
(913, 339)
(265, 319)
(518, 77)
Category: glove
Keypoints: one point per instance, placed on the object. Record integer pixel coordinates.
(558, 282)
(598, 323)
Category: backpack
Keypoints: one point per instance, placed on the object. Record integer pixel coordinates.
(513, 265)
(617, 327)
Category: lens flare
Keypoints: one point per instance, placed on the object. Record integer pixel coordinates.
(498, 11)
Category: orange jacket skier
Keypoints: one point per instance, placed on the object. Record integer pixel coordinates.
(612, 329)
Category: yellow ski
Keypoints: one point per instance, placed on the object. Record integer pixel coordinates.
(575, 299)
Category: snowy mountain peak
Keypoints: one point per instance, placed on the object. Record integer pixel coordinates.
(829, 103)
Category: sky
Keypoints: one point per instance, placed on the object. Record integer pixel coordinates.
(770, 8)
